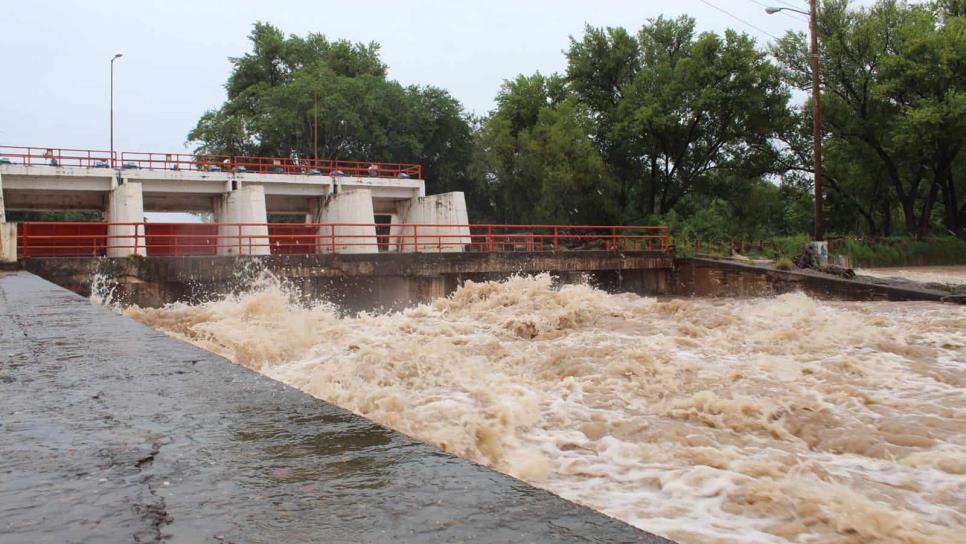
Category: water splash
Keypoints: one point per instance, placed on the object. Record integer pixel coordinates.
(104, 291)
(757, 420)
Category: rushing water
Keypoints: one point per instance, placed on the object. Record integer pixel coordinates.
(947, 275)
(755, 420)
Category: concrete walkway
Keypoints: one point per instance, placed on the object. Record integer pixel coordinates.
(113, 432)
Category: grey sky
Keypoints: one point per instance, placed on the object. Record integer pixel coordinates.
(55, 54)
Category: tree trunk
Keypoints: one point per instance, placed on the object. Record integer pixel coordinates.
(909, 215)
(886, 217)
(652, 190)
(923, 229)
(951, 204)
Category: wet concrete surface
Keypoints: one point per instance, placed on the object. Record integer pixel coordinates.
(113, 432)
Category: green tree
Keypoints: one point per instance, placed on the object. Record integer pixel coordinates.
(537, 156)
(278, 90)
(639, 126)
(892, 100)
(600, 66)
(702, 109)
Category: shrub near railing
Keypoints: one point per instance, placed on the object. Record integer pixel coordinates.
(873, 252)
(860, 252)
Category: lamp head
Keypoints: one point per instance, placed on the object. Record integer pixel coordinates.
(118, 55)
(772, 10)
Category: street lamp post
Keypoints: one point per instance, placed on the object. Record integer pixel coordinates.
(114, 58)
(816, 113)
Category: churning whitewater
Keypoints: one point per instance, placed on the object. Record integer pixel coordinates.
(755, 420)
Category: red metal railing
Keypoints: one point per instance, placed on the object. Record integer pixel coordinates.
(52, 239)
(52, 156)
(302, 166)
(175, 161)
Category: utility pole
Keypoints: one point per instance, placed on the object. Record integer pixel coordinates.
(114, 58)
(816, 112)
(315, 146)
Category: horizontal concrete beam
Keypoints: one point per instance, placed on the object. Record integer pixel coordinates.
(75, 178)
(54, 200)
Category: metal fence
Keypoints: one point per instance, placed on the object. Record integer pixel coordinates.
(62, 239)
(87, 158)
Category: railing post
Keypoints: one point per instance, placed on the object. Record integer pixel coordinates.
(415, 239)
(489, 238)
(613, 238)
(136, 238)
(239, 239)
(556, 238)
(332, 235)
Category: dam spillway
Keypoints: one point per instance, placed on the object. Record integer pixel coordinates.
(112, 431)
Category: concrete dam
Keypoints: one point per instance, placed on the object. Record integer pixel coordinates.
(404, 374)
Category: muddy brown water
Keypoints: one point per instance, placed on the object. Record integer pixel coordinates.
(762, 420)
(944, 275)
(113, 432)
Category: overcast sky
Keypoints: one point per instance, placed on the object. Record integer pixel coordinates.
(54, 55)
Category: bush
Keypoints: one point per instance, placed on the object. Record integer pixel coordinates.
(872, 252)
(784, 263)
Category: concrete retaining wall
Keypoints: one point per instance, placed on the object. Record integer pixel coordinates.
(389, 281)
(355, 282)
(718, 278)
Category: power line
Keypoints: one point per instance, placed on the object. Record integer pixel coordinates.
(789, 4)
(739, 19)
(789, 14)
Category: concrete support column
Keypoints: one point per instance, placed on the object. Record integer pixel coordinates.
(441, 209)
(244, 205)
(8, 242)
(348, 207)
(3, 212)
(125, 204)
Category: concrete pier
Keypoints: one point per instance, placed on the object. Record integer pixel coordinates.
(125, 204)
(353, 206)
(445, 209)
(113, 432)
(243, 205)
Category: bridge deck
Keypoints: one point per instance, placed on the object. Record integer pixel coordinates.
(114, 432)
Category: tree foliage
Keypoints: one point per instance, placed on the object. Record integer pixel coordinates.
(278, 90)
(893, 104)
(663, 119)
(658, 125)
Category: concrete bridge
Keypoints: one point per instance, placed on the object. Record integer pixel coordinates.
(240, 193)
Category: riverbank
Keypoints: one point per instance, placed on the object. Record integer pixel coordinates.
(848, 251)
